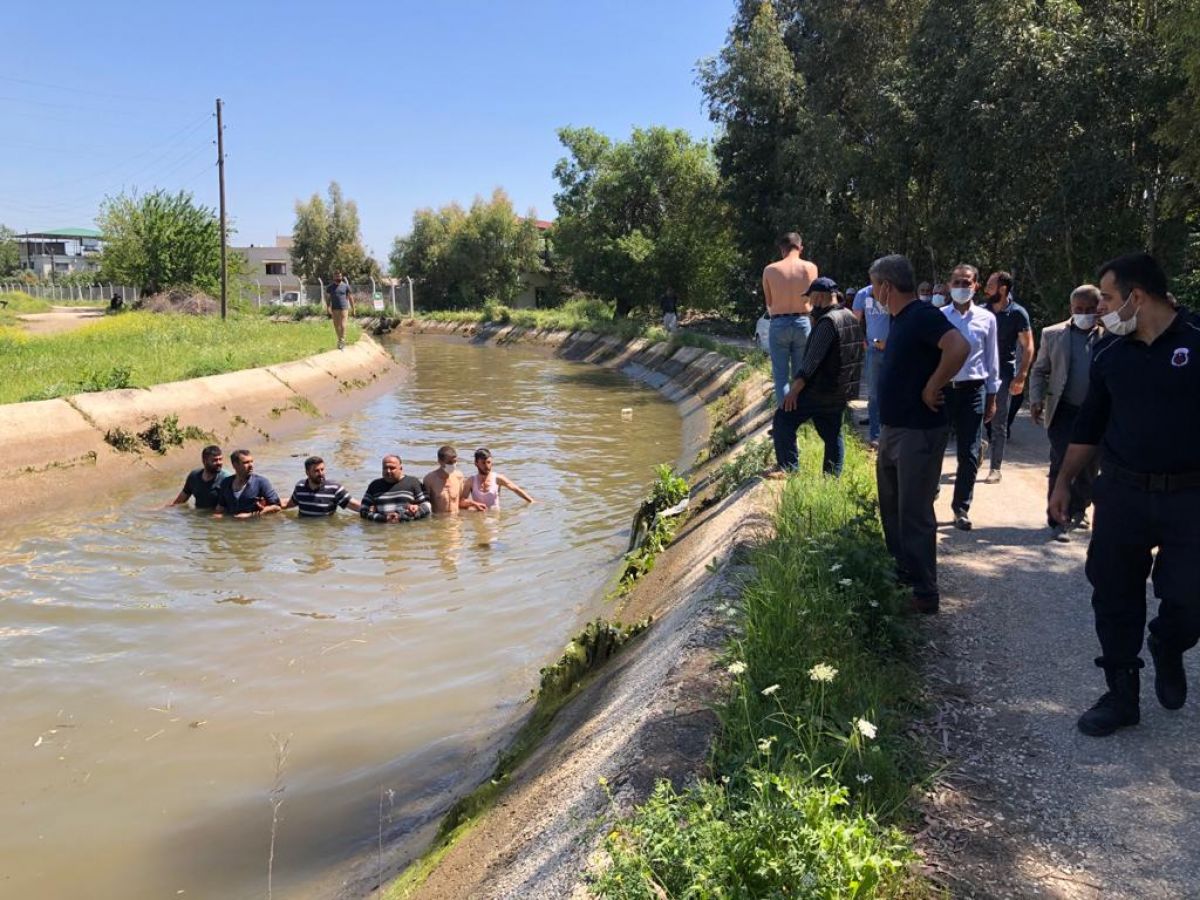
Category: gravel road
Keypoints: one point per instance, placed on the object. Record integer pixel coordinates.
(1028, 806)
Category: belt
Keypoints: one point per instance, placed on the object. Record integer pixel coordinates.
(967, 383)
(788, 315)
(1153, 482)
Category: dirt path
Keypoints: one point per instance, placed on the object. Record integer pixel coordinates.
(61, 318)
(1030, 807)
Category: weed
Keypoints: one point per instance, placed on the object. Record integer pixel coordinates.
(754, 458)
(122, 440)
(651, 531)
(163, 434)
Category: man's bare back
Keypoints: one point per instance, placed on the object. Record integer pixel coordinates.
(785, 282)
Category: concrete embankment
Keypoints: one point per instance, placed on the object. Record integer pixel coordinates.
(647, 715)
(45, 444)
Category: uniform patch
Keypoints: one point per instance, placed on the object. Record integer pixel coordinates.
(1181, 357)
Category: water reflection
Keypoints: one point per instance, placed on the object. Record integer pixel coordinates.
(154, 653)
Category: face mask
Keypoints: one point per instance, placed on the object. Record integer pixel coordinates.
(939, 299)
(960, 295)
(448, 468)
(1084, 321)
(924, 298)
(1114, 324)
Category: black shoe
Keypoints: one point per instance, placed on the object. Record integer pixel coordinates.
(1060, 534)
(1081, 522)
(1170, 680)
(1118, 708)
(961, 522)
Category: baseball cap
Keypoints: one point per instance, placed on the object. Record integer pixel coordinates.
(825, 285)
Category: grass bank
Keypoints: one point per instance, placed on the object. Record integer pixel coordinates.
(596, 316)
(15, 303)
(814, 769)
(140, 349)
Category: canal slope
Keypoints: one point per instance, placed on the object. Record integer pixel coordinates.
(648, 715)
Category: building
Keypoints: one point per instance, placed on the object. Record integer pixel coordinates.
(535, 286)
(270, 268)
(60, 251)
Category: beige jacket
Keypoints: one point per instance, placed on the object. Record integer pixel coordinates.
(1049, 374)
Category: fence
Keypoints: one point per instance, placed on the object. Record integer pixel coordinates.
(396, 298)
(74, 293)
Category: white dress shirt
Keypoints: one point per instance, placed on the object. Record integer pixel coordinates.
(978, 326)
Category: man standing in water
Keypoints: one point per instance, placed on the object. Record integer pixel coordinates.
(245, 495)
(202, 483)
(315, 497)
(483, 488)
(394, 497)
(339, 301)
(785, 287)
(444, 485)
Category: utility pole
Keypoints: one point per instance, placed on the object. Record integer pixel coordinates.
(221, 182)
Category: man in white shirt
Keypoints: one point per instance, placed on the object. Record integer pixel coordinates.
(971, 394)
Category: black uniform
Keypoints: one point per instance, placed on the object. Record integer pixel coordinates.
(1143, 410)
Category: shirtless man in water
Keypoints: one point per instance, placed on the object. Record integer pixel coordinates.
(444, 485)
(784, 285)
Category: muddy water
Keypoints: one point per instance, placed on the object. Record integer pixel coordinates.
(155, 661)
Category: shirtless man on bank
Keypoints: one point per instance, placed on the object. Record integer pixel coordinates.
(784, 285)
(444, 485)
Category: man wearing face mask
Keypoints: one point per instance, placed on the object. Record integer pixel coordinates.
(1012, 329)
(925, 292)
(1058, 384)
(923, 352)
(940, 295)
(444, 485)
(1142, 412)
(827, 380)
(971, 396)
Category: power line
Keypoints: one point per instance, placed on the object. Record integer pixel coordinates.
(79, 90)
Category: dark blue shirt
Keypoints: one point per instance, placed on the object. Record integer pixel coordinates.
(205, 492)
(909, 359)
(1143, 402)
(256, 487)
(1010, 322)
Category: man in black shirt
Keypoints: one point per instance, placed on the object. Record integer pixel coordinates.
(315, 496)
(1012, 330)
(923, 353)
(1142, 412)
(669, 304)
(395, 497)
(203, 483)
(828, 378)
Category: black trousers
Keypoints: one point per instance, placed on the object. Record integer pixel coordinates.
(965, 406)
(1059, 433)
(1130, 526)
(907, 470)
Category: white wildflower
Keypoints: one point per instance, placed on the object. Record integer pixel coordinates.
(768, 691)
(736, 668)
(865, 778)
(865, 728)
(822, 672)
(764, 744)
(874, 603)
(845, 582)
(836, 567)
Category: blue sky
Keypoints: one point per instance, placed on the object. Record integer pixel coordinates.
(407, 104)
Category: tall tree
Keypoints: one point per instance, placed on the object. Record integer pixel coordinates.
(462, 258)
(160, 240)
(10, 255)
(326, 238)
(637, 215)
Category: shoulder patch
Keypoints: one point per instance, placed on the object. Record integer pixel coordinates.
(1181, 357)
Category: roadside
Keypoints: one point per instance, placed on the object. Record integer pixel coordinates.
(60, 319)
(1029, 806)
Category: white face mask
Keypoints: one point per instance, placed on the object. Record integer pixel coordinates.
(924, 298)
(961, 295)
(939, 299)
(449, 468)
(1084, 321)
(1114, 324)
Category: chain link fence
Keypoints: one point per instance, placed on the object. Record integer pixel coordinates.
(98, 293)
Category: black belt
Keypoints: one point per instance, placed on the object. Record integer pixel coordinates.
(967, 383)
(788, 315)
(1153, 482)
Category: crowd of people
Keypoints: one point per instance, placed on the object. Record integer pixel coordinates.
(393, 497)
(1113, 384)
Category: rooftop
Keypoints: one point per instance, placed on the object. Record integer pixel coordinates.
(64, 233)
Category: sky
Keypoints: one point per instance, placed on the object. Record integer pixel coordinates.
(406, 104)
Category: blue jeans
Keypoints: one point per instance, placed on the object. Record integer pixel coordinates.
(788, 340)
(873, 364)
(965, 406)
(828, 422)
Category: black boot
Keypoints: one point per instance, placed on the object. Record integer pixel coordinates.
(1170, 680)
(1119, 707)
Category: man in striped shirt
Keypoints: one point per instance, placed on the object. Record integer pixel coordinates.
(314, 496)
(395, 497)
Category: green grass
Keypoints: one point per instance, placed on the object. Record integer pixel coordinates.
(140, 349)
(814, 768)
(19, 304)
